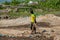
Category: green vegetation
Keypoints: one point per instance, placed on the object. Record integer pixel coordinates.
(6, 3)
(13, 2)
(19, 14)
(42, 3)
(48, 6)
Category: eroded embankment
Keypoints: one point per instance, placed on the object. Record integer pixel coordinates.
(47, 20)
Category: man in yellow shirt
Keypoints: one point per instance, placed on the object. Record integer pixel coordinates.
(33, 21)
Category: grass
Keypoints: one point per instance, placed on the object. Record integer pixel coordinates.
(19, 14)
(27, 13)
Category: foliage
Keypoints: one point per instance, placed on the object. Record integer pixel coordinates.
(15, 2)
(43, 4)
(6, 3)
(49, 3)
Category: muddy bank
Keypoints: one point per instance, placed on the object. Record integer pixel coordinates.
(50, 20)
(22, 38)
(18, 38)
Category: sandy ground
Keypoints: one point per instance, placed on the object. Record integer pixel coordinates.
(20, 28)
(49, 19)
(25, 33)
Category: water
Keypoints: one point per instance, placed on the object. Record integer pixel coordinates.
(1, 1)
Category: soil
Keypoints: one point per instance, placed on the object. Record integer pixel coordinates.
(41, 25)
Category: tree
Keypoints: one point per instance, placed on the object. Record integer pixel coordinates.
(6, 3)
(15, 2)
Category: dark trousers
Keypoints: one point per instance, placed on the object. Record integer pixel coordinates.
(33, 28)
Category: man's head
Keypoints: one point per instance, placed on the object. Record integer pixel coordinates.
(31, 11)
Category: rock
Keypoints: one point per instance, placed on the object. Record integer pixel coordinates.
(1, 35)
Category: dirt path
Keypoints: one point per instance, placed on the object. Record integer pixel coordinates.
(21, 27)
(24, 33)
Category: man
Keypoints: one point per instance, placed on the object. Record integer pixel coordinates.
(33, 21)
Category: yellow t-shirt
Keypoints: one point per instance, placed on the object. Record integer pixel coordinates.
(32, 18)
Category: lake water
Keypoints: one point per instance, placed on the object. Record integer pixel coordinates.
(1, 1)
